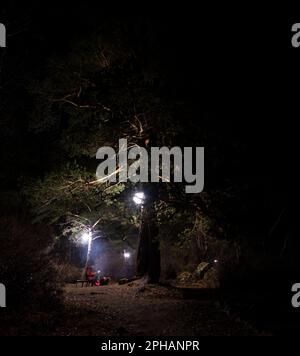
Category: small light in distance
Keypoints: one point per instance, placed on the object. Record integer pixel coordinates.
(126, 255)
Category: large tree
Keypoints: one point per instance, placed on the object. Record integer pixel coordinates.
(108, 86)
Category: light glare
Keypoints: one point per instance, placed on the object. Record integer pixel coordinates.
(126, 255)
(85, 237)
(138, 198)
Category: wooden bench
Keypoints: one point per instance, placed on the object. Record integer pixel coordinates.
(84, 282)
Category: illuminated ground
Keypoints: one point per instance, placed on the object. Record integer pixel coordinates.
(136, 309)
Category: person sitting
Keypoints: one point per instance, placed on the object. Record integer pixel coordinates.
(90, 275)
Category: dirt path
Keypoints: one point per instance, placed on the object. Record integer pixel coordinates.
(138, 309)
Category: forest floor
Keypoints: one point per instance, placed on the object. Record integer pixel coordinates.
(138, 309)
(134, 309)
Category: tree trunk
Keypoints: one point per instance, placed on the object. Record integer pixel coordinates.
(148, 256)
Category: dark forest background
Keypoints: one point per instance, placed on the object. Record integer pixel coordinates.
(228, 80)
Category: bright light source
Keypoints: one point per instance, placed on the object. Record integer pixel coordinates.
(139, 198)
(126, 255)
(140, 195)
(216, 261)
(86, 237)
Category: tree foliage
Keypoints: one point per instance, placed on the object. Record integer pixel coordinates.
(102, 90)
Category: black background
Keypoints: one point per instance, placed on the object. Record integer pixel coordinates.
(234, 61)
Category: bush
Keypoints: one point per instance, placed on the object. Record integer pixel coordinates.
(25, 265)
